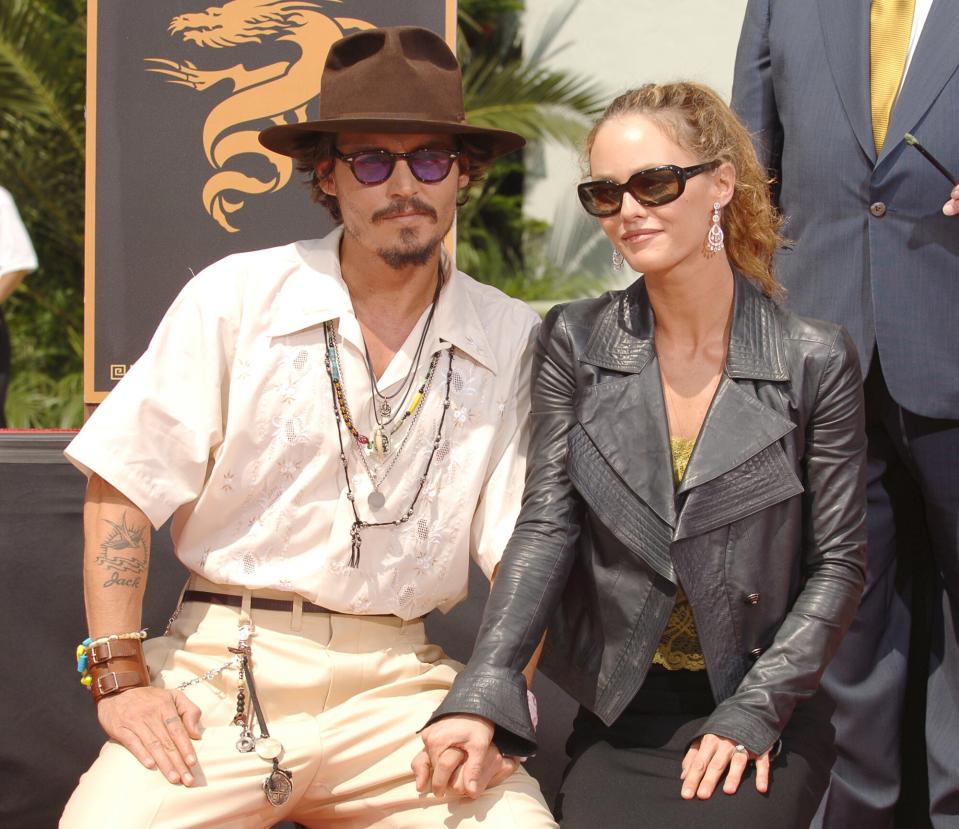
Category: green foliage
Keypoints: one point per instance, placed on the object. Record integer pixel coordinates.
(42, 90)
(507, 85)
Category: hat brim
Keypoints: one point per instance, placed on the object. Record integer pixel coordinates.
(289, 139)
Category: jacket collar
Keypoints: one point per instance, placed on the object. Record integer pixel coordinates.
(737, 426)
(622, 339)
(314, 292)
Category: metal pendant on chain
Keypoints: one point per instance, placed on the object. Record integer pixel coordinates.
(376, 499)
(383, 412)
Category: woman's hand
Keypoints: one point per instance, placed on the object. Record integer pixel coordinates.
(708, 759)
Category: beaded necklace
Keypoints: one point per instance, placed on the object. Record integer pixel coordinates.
(385, 409)
(381, 441)
(341, 413)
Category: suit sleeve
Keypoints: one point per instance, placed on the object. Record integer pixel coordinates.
(754, 94)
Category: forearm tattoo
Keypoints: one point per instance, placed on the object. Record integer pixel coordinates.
(125, 553)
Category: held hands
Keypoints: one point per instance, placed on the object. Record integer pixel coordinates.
(951, 207)
(459, 757)
(156, 726)
(708, 759)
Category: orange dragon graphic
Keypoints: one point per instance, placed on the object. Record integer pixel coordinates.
(279, 92)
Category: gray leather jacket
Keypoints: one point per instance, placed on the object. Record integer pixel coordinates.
(766, 532)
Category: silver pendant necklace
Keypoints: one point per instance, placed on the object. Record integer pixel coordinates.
(356, 540)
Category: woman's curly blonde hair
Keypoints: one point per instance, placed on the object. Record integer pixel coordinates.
(699, 121)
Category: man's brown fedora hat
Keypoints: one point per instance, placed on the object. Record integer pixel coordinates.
(398, 79)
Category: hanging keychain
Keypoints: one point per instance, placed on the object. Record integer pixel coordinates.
(278, 786)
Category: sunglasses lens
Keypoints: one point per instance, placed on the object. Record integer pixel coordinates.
(599, 198)
(372, 168)
(655, 187)
(430, 165)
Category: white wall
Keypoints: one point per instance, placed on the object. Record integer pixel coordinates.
(622, 44)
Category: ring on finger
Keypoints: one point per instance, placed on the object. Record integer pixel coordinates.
(741, 749)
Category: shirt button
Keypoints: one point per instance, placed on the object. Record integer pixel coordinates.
(878, 208)
(751, 598)
(755, 653)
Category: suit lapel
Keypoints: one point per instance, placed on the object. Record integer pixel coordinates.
(935, 61)
(845, 29)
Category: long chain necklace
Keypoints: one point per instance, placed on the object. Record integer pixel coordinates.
(384, 408)
(377, 499)
(358, 524)
(381, 442)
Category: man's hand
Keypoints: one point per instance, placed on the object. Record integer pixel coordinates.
(156, 726)
(459, 756)
(707, 760)
(951, 207)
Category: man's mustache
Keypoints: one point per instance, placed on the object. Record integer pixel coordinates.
(405, 206)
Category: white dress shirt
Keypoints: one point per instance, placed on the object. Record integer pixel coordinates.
(226, 422)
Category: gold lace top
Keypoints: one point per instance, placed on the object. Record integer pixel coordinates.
(679, 648)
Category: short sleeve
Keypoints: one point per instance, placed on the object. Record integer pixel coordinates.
(152, 438)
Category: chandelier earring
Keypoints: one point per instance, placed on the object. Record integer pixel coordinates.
(617, 259)
(715, 237)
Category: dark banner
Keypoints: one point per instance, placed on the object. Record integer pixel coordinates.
(177, 92)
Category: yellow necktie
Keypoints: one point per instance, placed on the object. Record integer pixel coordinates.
(890, 24)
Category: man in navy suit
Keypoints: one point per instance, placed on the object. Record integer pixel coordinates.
(875, 246)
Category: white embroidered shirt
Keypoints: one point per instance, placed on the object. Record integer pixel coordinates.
(226, 423)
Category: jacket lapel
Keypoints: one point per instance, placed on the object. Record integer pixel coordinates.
(625, 417)
(934, 62)
(737, 466)
(845, 29)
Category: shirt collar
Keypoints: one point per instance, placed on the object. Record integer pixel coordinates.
(458, 322)
(315, 293)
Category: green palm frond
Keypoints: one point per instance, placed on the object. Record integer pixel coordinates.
(41, 50)
(505, 90)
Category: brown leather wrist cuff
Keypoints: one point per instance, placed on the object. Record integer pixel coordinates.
(117, 666)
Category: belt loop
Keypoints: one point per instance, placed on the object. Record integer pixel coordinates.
(296, 622)
(245, 610)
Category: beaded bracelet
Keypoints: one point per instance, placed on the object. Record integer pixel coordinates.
(88, 644)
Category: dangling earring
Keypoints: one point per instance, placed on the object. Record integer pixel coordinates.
(618, 260)
(714, 239)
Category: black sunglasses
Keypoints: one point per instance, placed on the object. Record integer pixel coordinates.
(653, 187)
(376, 166)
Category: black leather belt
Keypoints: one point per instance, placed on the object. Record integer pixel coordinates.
(256, 602)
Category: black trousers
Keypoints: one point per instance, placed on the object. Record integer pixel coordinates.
(913, 513)
(627, 774)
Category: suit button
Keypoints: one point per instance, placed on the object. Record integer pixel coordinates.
(755, 653)
(878, 208)
(751, 598)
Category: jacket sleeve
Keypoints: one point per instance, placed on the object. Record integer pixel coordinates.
(537, 559)
(754, 94)
(834, 562)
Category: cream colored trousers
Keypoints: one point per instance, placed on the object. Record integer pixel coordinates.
(344, 694)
